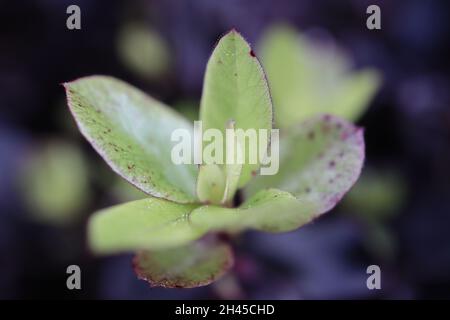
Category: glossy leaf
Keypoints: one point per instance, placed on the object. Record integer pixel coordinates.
(235, 88)
(320, 160)
(132, 132)
(307, 79)
(193, 265)
(143, 224)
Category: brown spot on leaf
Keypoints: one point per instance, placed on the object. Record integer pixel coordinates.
(325, 128)
(252, 53)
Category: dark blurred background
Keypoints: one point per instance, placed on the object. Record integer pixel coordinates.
(398, 216)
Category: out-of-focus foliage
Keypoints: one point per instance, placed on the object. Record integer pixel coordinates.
(307, 78)
(377, 195)
(54, 181)
(374, 200)
(124, 191)
(188, 108)
(143, 50)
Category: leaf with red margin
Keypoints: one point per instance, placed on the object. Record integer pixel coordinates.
(320, 160)
(132, 132)
(194, 265)
(235, 89)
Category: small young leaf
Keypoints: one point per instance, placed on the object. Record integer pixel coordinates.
(132, 132)
(320, 160)
(232, 174)
(306, 79)
(235, 88)
(210, 184)
(232, 170)
(193, 265)
(269, 210)
(139, 225)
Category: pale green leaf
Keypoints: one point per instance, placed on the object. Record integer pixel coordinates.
(377, 196)
(235, 88)
(308, 79)
(232, 170)
(54, 182)
(132, 132)
(193, 265)
(143, 50)
(269, 210)
(210, 184)
(320, 160)
(232, 174)
(143, 224)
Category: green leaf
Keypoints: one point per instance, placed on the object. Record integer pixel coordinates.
(210, 184)
(235, 88)
(356, 92)
(217, 185)
(54, 182)
(377, 196)
(193, 265)
(143, 224)
(320, 160)
(132, 132)
(269, 210)
(232, 170)
(232, 175)
(307, 79)
(143, 50)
